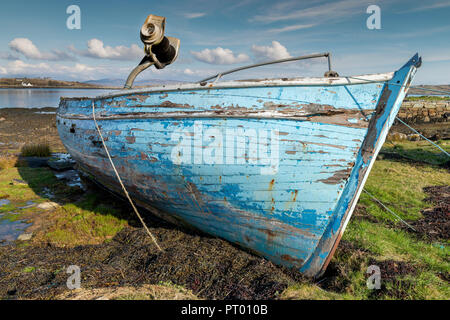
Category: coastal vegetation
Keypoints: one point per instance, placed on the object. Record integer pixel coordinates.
(35, 150)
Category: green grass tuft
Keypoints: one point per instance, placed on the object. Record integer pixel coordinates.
(427, 98)
(29, 269)
(36, 150)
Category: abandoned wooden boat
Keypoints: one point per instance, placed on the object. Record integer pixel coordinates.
(276, 166)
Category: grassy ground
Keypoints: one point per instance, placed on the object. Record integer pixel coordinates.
(74, 217)
(378, 237)
(427, 98)
(417, 151)
(411, 268)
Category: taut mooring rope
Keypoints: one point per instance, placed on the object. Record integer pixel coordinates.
(434, 144)
(389, 210)
(121, 183)
(411, 128)
(414, 130)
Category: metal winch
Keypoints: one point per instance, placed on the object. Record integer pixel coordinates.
(160, 50)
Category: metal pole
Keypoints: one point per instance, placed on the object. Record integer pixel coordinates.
(144, 64)
(318, 55)
(329, 61)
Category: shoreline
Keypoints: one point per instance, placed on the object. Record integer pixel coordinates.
(56, 87)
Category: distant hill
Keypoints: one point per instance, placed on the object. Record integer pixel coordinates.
(44, 83)
(417, 89)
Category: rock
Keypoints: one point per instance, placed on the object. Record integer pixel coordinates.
(397, 136)
(18, 182)
(25, 236)
(61, 162)
(60, 165)
(413, 137)
(48, 205)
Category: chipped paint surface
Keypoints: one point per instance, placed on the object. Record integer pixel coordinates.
(326, 137)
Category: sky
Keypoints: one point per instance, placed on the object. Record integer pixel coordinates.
(220, 35)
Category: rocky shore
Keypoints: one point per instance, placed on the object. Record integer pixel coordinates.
(425, 111)
(431, 118)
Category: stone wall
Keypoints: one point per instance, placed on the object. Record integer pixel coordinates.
(425, 111)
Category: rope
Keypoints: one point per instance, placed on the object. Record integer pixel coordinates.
(120, 181)
(423, 89)
(400, 85)
(411, 128)
(434, 144)
(389, 210)
(446, 153)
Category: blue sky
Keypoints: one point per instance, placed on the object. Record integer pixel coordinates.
(219, 35)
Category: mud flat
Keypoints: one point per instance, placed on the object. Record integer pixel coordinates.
(28, 126)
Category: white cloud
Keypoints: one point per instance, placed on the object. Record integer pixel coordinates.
(219, 56)
(320, 13)
(291, 28)
(436, 5)
(77, 71)
(29, 50)
(194, 15)
(26, 47)
(274, 52)
(18, 66)
(83, 72)
(96, 49)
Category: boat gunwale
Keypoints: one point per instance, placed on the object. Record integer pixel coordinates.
(258, 83)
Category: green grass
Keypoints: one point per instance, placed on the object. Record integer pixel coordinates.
(84, 222)
(36, 150)
(36, 180)
(387, 243)
(310, 291)
(399, 185)
(88, 220)
(427, 98)
(421, 151)
(8, 160)
(29, 269)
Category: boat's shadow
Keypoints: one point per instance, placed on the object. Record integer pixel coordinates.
(71, 187)
(416, 156)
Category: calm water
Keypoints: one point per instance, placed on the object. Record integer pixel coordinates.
(10, 228)
(38, 98)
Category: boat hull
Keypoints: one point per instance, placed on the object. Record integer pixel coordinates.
(274, 167)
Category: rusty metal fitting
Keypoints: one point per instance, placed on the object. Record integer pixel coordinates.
(152, 31)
